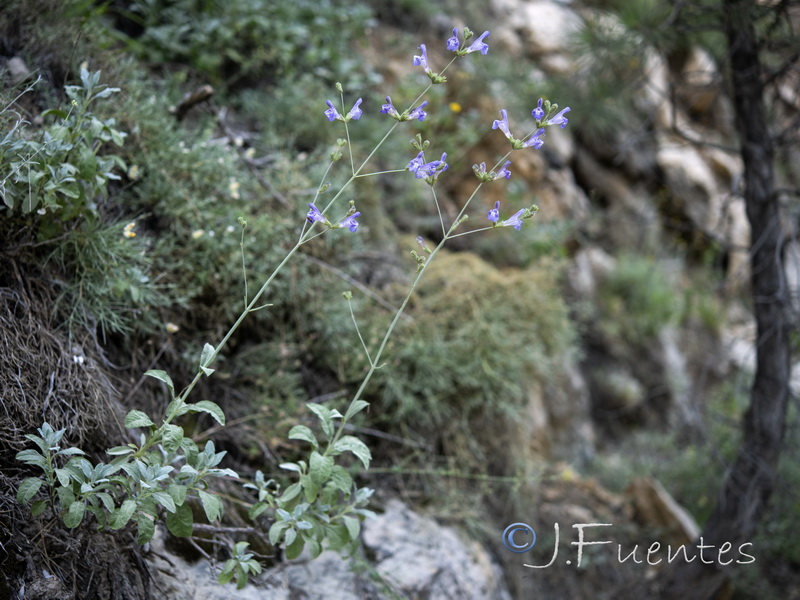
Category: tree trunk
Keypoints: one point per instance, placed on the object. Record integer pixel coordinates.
(751, 479)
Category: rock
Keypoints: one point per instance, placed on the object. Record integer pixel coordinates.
(543, 27)
(424, 559)
(413, 554)
(654, 507)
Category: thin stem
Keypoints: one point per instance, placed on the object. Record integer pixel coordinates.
(358, 332)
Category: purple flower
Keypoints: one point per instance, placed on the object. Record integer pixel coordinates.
(514, 221)
(483, 176)
(535, 140)
(538, 112)
(479, 45)
(502, 124)
(332, 113)
(416, 163)
(389, 109)
(494, 214)
(504, 172)
(314, 214)
(355, 112)
(559, 119)
(453, 43)
(350, 222)
(418, 113)
(428, 171)
(422, 60)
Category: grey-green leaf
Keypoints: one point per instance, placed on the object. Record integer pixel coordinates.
(137, 418)
(355, 408)
(179, 523)
(27, 489)
(352, 444)
(301, 432)
(212, 505)
(74, 514)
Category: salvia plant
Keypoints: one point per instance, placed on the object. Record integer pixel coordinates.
(157, 476)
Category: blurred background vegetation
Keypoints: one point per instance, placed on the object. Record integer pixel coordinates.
(493, 319)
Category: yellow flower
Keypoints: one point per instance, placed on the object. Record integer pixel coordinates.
(233, 187)
(171, 328)
(133, 172)
(455, 107)
(197, 234)
(128, 231)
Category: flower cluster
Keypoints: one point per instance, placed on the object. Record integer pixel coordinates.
(333, 114)
(477, 46)
(408, 115)
(545, 114)
(428, 171)
(514, 220)
(484, 177)
(349, 221)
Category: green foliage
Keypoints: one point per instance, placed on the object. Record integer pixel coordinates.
(240, 566)
(479, 336)
(636, 300)
(227, 42)
(67, 170)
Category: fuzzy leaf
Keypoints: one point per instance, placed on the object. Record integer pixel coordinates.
(209, 407)
(352, 444)
(27, 489)
(179, 523)
(353, 526)
(123, 514)
(137, 418)
(162, 376)
(205, 359)
(74, 515)
(294, 549)
(355, 408)
(165, 500)
(146, 528)
(212, 505)
(301, 432)
(320, 467)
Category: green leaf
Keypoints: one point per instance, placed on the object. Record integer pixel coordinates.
(257, 510)
(314, 547)
(338, 536)
(173, 436)
(301, 432)
(162, 376)
(74, 515)
(63, 476)
(146, 528)
(353, 526)
(320, 467)
(38, 507)
(341, 480)
(27, 489)
(294, 549)
(206, 357)
(178, 493)
(119, 450)
(123, 514)
(32, 457)
(70, 452)
(165, 500)
(352, 444)
(324, 414)
(291, 492)
(276, 531)
(209, 407)
(355, 408)
(137, 418)
(310, 488)
(180, 522)
(212, 505)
